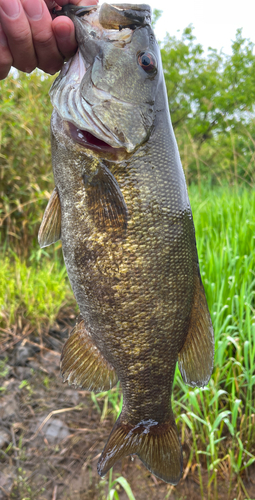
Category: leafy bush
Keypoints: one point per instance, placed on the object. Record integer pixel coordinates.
(25, 158)
(211, 100)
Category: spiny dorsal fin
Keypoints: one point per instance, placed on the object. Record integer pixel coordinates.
(195, 360)
(157, 445)
(50, 228)
(83, 365)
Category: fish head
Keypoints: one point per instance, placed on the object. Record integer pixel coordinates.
(108, 89)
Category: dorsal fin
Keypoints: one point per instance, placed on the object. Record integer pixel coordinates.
(50, 228)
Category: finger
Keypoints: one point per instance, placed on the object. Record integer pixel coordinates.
(65, 35)
(64, 29)
(48, 56)
(17, 30)
(77, 2)
(5, 55)
(50, 4)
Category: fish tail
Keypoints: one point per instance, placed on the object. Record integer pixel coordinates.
(157, 445)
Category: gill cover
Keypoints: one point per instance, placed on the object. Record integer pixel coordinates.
(104, 89)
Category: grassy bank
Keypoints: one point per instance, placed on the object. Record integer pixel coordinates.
(221, 417)
(32, 292)
(217, 423)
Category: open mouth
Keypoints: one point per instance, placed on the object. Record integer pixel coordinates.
(86, 128)
(88, 140)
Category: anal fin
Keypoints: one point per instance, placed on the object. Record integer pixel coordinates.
(195, 360)
(83, 365)
(50, 228)
(157, 446)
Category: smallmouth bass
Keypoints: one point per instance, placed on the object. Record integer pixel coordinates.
(121, 209)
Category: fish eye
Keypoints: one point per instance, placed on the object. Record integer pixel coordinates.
(148, 62)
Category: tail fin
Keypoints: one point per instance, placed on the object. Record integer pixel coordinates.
(157, 445)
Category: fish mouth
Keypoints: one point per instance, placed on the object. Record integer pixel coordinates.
(89, 141)
(86, 128)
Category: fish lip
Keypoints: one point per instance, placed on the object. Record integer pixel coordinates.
(89, 141)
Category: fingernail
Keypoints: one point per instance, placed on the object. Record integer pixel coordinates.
(11, 7)
(33, 9)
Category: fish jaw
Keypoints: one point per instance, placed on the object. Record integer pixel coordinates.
(114, 16)
(83, 96)
(67, 100)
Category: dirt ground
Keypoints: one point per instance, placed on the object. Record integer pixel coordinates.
(51, 435)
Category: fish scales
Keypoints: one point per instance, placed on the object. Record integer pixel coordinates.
(127, 235)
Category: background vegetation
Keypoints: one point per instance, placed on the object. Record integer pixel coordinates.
(211, 99)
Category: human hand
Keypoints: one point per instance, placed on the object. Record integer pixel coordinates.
(29, 38)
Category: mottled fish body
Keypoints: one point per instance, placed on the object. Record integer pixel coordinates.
(121, 209)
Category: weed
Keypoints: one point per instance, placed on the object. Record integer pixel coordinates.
(31, 293)
(4, 368)
(25, 384)
(22, 486)
(46, 382)
(112, 402)
(114, 487)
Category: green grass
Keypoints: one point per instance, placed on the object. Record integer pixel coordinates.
(25, 158)
(217, 421)
(221, 416)
(34, 292)
(114, 486)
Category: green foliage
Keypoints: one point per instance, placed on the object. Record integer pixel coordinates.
(32, 293)
(25, 161)
(155, 16)
(211, 100)
(4, 368)
(205, 92)
(112, 402)
(22, 488)
(221, 416)
(114, 486)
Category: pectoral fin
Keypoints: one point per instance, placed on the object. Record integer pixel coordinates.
(83, 365)
(106, 203)
(50, 229)
(195, 360)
